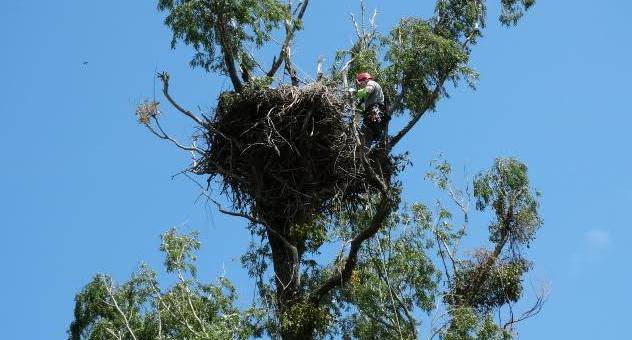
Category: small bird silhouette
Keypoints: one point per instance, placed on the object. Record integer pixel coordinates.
(85, 63)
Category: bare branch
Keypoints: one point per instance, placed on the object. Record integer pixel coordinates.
(289, 68)
(228, 212)
(372, 21)
(290, 29)
(234, 213)
(163, 135)
(164, 77)
(541, 299)
(362, 12)
(356, 26)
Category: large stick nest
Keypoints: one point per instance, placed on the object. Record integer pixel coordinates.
(289, 153)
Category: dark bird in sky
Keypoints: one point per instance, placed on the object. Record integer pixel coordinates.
(85, 63)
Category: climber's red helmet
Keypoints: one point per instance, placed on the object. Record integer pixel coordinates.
(362, 77)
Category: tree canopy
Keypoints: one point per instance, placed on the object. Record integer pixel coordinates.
(288, 157)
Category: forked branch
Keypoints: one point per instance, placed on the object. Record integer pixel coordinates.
(164, 77)
(535, 309)
(291, 26)
(160, 133)
(342, 277)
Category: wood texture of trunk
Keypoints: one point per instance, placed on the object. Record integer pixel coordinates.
(288, 287)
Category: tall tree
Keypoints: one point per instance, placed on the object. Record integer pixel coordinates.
(289, 159)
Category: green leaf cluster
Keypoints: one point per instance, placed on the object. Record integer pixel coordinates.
(420, 60)
(140, 309)
(513, 10)
(458, 19)
(505, 187)
(502, 286)
(411, 267)
(229, 26)
(468, 325)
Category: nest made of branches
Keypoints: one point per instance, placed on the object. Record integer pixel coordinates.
(287, 154)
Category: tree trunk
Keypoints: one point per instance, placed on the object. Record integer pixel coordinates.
(288, 291)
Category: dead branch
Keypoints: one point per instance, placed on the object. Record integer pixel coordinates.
(164, 77)
(319, 68)
(541, 299)
(289, 68)
(163, 135)
(356, 26)
(290, 29)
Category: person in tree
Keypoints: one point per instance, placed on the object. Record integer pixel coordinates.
(375, 119)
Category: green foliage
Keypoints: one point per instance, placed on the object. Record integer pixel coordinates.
(420, 60)
(502, 286)
(513, 10)
(506, 189)
(440, 174)
(139, 309)
(304, 315)
(419, 55)
(394, 280)
(231, 24)
(467, 325)
(314, 233)
(261, 82)
(458, 19)
(410, 265)
(365, 59)
(365, 56)
(179, 251)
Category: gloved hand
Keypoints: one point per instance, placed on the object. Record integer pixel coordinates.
(362, 94)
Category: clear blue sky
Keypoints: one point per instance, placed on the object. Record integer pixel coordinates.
(85, 189)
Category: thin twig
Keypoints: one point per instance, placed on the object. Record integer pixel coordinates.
(164, 135)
